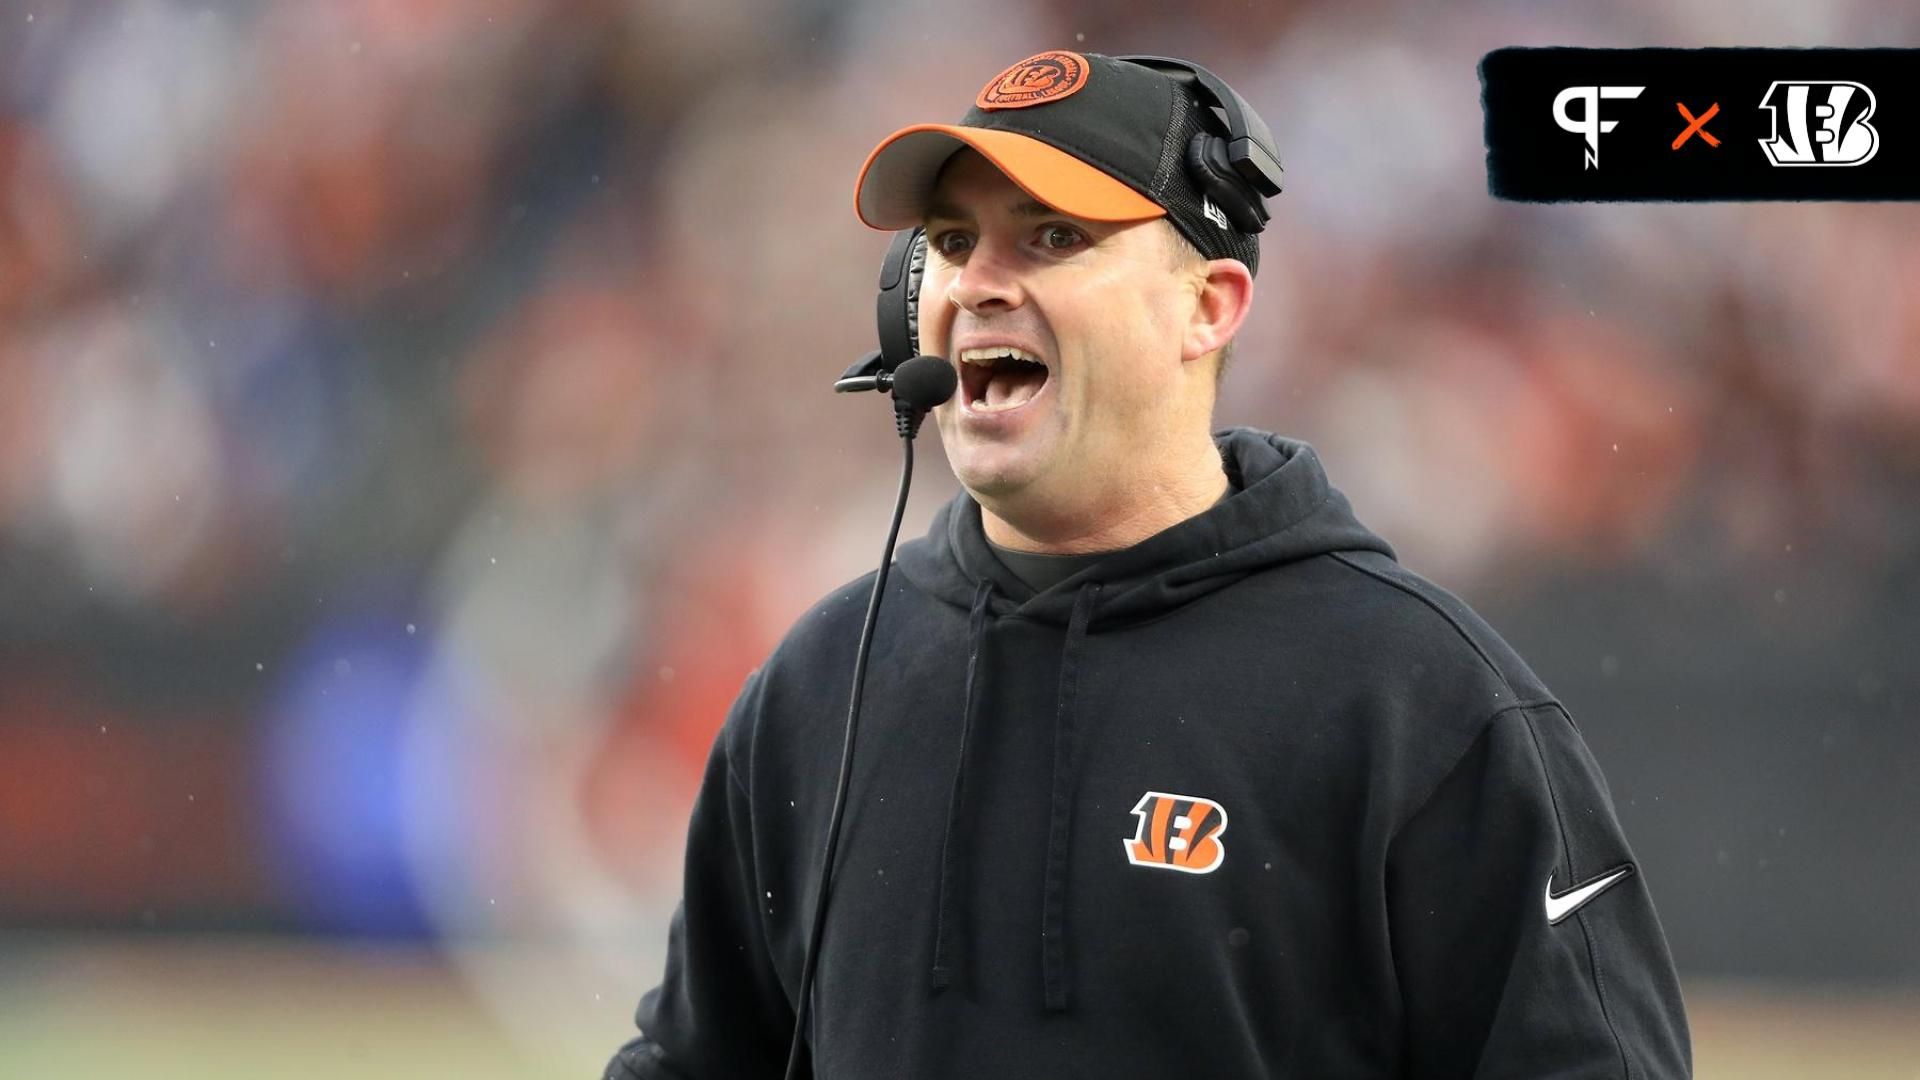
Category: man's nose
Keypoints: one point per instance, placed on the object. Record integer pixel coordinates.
(988, 280)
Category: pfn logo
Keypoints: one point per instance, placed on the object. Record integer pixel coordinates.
(1826, 124)
(1178, 832)
(1589, 124)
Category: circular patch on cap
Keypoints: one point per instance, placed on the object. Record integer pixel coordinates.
(1047, 76)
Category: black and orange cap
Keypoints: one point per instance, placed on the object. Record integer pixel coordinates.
(1089, 135)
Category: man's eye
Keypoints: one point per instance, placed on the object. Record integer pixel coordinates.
(952, 243)
(1060, 237)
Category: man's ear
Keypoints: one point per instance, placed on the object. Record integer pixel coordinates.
(1225, 296)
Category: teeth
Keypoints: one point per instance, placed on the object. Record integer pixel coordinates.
(1001, 393)
(986, 356)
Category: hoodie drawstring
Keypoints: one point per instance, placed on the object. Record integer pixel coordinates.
(1055, 970)
(949, 887)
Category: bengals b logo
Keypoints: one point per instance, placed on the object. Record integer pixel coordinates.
(1047, 76)
(1178, 832)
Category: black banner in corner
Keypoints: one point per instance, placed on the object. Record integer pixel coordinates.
(1601, 125)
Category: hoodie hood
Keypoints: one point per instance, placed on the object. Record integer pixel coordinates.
(1283, 510)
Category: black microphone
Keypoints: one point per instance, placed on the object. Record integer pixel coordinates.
(917, 385)
(924, 382)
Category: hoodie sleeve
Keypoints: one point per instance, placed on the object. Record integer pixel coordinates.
(1524, 937)
(719, 1011)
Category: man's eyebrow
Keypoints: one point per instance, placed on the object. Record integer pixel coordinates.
(945, 211)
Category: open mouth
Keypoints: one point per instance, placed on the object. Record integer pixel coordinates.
(1000, 377)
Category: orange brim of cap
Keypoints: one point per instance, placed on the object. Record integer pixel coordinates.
(899, 176)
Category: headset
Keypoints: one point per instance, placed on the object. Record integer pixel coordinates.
(1231, 161)
(1238, 171)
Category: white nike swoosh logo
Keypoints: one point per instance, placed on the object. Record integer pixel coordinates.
(1559, 907)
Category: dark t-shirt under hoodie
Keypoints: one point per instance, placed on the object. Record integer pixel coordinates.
(1040, 571)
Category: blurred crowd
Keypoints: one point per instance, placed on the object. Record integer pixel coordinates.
(414, 415)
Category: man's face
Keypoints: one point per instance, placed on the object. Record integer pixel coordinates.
(1067, 335)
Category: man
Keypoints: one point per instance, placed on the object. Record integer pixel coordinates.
(1167, 767)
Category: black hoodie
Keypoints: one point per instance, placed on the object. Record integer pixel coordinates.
(1245, 800)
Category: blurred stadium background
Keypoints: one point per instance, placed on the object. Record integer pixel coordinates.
(414, 424)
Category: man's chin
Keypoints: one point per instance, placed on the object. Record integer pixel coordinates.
(995, 478)
(997, 471)
(990, 487)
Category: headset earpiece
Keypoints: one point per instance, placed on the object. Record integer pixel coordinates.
(1212, 172)
(898, 308)
(916, 272)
